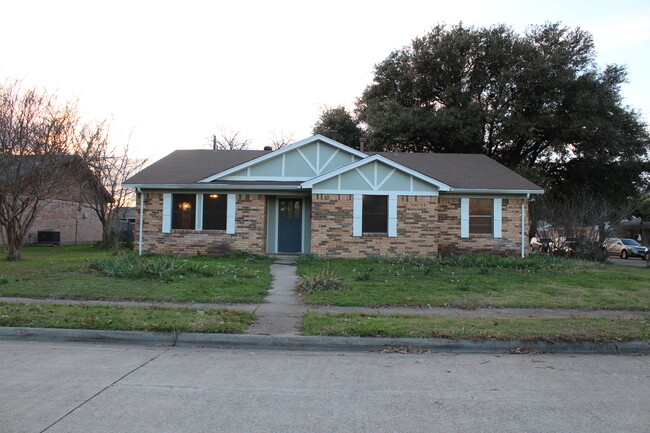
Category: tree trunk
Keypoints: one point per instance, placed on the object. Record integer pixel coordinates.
(13, 245)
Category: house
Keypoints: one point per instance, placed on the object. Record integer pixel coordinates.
(636, 229)
(56, 188)
(320, 196)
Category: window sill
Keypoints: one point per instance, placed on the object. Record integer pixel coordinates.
(374, 235)
(185, 231)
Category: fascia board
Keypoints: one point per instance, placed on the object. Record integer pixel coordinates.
(285, 149)
(310, 183)
(211, 186)
(496, 191)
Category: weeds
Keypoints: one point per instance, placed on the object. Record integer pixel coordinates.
(325, 280)
(305, 259)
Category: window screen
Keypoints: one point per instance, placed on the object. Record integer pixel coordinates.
(184, 211)
(481, 212)
(214, 211)
(375, 214)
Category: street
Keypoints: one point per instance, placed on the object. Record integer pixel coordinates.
(84, 387)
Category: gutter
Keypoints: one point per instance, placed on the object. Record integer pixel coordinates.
(523, 230)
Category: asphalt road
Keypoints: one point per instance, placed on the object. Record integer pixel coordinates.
(83, 387)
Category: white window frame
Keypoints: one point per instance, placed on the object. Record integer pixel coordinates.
(231, 212)
(357, 214)
(497, 217)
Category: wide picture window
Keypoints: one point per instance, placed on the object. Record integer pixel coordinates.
(481, 216)
(184, 211)
(375, 214)
(214, 211)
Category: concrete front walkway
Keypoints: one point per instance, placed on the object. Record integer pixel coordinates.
(283, 310)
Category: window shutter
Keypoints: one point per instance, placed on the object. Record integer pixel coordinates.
(497, 218)
(464, 217)
(392, 216)
(231, 211)
(167, 213)
(199, 212)
(357, 215)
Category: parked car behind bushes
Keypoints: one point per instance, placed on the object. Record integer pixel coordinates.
(625, 248)
(538, 243)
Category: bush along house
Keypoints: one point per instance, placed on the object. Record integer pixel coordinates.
(320, 196)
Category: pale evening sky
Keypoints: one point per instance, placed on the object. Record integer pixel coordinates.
(168, 74)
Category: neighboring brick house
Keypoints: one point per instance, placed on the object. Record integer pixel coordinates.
(65, 217)
(320, 196)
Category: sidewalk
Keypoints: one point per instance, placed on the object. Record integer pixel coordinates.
(278, 324)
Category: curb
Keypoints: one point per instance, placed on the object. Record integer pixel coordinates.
(318, 343)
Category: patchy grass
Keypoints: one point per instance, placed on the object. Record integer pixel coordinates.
(477, 281)
(124, 318)
(477, 328)
(64, 273)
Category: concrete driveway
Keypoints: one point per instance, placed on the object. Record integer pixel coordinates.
(83, 387)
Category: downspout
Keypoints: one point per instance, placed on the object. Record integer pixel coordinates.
(523, 229)
(141, 221)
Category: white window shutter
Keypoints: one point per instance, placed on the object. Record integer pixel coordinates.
(199, 212)
(497, 218)
(231, 211)
(392, 216)
(167, 213)
(357, 215)
(464, 217)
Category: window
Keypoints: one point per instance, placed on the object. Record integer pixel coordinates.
(375, 214)
(481, 216)
(214, 211)
(184, 211)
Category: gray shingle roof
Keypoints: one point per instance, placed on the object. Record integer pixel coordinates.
(465, 171)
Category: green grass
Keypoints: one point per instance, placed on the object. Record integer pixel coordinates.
(477, 328)
(477, 281)
(64, 273)
(124, 318)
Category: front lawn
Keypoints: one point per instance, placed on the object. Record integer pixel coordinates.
(124, 318)
(478, 281)
(64, 273)
(477, 328)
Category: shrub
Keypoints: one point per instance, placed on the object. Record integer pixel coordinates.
(4, 280)
(321, 281)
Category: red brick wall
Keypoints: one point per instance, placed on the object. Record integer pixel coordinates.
(250, 230)
(332, 228)
(450, 242)
(66, 217)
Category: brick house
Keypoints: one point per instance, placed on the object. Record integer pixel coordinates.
(320, 196)
(65, 213)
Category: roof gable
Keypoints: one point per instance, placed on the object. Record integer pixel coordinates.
(302, 160)
(375, 173)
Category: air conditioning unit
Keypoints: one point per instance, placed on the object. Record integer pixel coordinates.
(49, 237)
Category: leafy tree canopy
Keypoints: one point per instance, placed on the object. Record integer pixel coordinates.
(338, 124)
(536, 102)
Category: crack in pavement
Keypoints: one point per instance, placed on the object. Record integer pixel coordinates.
(104, 389)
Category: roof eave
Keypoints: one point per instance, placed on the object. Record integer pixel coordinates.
(211, 186)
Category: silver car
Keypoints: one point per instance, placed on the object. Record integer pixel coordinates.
(625, 248)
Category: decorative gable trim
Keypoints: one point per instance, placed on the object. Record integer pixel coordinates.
(356, 165)
(295, 146)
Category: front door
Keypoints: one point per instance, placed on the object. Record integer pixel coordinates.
(290, 225)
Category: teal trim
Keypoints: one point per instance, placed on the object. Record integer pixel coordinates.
(306, 232)
(272, 224)
(369, 172)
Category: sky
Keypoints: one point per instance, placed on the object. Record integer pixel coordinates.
(168, 75)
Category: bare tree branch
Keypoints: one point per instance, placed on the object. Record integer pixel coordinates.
(228, 139)
(281, 139)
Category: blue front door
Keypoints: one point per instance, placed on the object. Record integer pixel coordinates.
(290, 225)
